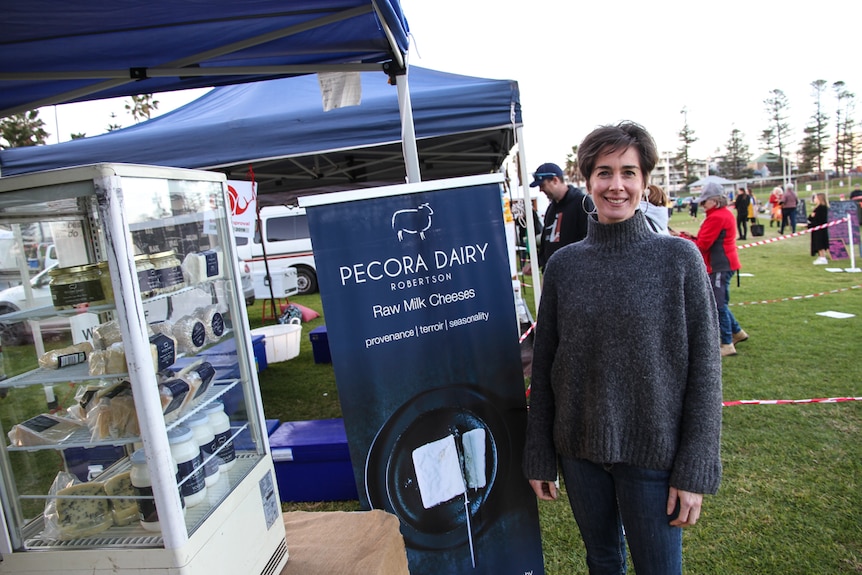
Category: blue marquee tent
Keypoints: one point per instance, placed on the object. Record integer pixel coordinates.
(464, 125)
(58, 51)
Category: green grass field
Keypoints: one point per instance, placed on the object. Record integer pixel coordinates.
(791, 497)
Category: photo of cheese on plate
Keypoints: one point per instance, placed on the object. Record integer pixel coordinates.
(438, 471)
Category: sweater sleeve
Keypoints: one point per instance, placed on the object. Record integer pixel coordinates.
(540, 456)
(697, 465)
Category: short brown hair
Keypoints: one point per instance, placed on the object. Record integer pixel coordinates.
(609, 139)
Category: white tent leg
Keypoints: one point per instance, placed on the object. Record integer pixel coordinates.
(408, 133)
(528, 210)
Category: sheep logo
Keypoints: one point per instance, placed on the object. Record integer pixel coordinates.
(413, 221)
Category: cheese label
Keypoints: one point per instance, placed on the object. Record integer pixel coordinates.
(166, 353)
(211, 263)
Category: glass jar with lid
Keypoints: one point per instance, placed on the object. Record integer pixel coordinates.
(169, 270)
(148, 278)
(76, 285)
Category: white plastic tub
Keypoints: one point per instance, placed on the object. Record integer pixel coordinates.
(281, 341)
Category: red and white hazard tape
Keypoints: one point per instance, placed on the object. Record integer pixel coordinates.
(794, 234)
(789, 401)
(526, 333)
(797, 297)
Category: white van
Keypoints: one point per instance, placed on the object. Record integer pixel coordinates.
(288, 244)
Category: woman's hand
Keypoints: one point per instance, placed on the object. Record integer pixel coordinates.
(689, 506)
(544, 490)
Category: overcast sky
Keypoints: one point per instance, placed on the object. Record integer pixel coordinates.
(586, 63)
(583, 64)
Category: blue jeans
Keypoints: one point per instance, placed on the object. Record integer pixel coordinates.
(615, 503)
(788, 216)
(727, 323)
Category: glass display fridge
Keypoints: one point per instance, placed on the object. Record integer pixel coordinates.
(127, 447)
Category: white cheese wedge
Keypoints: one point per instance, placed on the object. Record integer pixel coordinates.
(438, 471)
(474, 458)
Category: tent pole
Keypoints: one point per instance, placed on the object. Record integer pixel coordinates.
(528, 210)
(408, 133)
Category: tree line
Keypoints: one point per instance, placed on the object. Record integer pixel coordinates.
(826, 142)
(28, 129)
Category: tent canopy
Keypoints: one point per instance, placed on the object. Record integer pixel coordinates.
(464, 126)
(57, 52)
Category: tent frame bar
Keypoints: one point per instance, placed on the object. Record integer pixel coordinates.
(184, 63)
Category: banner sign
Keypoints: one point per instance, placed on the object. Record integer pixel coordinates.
(420, 316)
(242, 197)
(839, 236)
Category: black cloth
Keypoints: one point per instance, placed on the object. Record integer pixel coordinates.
(565, 223)
(741, 203)
(819, 238)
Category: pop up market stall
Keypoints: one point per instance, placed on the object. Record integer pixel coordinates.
(189, 67)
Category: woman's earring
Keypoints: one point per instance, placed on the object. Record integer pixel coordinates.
(592, 212)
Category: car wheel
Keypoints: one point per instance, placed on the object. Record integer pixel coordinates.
(306, 281)
(12, 333)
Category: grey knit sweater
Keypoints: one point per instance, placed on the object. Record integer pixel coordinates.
(626, 362)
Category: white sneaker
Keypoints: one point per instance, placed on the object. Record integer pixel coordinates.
(821, 261)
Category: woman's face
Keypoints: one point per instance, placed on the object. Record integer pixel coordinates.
(616, 185)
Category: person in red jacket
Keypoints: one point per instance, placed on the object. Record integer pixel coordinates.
(716, 240)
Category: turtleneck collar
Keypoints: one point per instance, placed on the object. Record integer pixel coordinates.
(620, 235)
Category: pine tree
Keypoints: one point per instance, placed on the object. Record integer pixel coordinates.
(21, 130)
(682, 160)
(735, 162)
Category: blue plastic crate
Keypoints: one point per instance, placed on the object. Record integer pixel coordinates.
(312, 461)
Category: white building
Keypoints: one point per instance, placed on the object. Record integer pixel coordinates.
(671, 178)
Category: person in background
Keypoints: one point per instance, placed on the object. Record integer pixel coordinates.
(565, 220)
(626, 382)
(716, 241)
(789, 201)
(742, 203)
(752, 207)
(654, 207)
(775, 206)
(819, 238)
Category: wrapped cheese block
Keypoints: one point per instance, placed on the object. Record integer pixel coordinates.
(212, 316)
(65, 356)
(190, 334)
(44, 429)
(106, 334)
(83, 516)
(172, 394)
(163, 351)
(123, 511)
(200, 267)
(438, 471)
(111, 360)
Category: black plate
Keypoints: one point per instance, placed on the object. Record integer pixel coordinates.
(390, 478)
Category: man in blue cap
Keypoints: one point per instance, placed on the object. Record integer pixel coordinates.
(566, 218)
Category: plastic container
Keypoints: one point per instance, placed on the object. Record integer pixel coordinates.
(187, 454)
(281, 341)
(222, 444)
(320, 344)
(203, 432)
(142, 483)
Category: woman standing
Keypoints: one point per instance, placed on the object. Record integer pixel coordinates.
(626, 382)
(742, 203)
(819, 238)
(716, 241)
